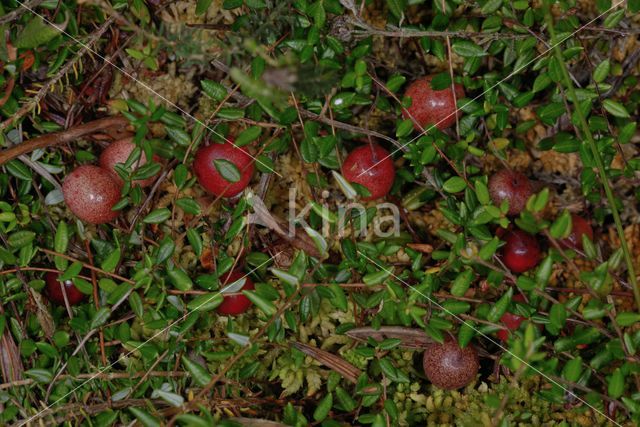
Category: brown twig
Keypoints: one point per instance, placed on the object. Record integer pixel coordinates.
(58, 138)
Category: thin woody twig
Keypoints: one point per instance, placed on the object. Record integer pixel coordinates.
(59, 138)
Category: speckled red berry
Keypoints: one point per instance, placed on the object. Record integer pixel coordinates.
(510, 320)
(235, 304)
(53, 290)
(448, 366)
(209, 176)
(521, 251)
(118, 152)
(579, 228)
(432, 107)
(511, 186)
(90, 192)
(370, 166)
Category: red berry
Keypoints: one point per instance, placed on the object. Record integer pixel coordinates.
(521, 251)
(448, 366)
(511, 186)
(579, 228)
(235, 304)
(432, 107)
(207, 172)
(118, 152)
(370, 166)
(54, 290)
(90, 192)
(510, 320)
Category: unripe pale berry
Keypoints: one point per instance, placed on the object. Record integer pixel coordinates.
(90, 192)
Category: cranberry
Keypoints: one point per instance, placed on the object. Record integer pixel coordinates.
(207, 172)
(237, 303)
(54, 290)
(118, 152)
(370, 166)
(432, 107)
(90, 192)
(579, 228)
(510, 320)
(521, 251)
(511, 186)
(448, 366)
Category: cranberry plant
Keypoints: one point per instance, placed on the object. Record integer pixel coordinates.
(319, 212)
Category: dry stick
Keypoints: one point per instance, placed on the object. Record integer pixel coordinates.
(35, 101)
(89, 266)
(59, 138)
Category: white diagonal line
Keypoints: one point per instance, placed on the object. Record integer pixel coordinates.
(181, 319)
(461, 320)
(141, 83)
(513, 73)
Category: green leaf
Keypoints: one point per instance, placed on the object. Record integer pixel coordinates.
(111, 261)
(180, 279)
(500, 306)
(572, 370)
(188, 205)
(179, 136)
(616, 384)
(397, 7)
(202, 6)
(61, 240)
(601, 72)
(195, 240)
(461, 283)
(228, 170)
(213, 89)
(468, 49)
(206, 302)
(248, 135)
(323, 407)
(100, 317)
(627, 318)
(615, 108)
(491, 6)
(20, 239)
(198, 372)
(145, 419)
(264, 305)
(454, 184)
(40, 375)
(157, 216)
(561, 227)
(35, 33)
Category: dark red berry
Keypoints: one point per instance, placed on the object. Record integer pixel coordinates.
(521, 251)
(579, 228)
(448, 366)
(237, 303)
(90, 192)
(210, 178)
(511, 186)
(370, 166)
(510, 320)
(431, 107)
(54, 290)
(118, 152)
